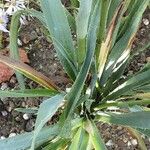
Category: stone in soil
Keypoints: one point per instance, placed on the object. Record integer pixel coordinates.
(12, 134)
(29, 125)
(26, 116)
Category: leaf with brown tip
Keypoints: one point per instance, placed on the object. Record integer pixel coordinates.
(29, 72)
(106, 45)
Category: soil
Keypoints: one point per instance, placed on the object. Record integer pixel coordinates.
(43, 58)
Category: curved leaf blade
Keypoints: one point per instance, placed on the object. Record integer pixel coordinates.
(130, 85)
(23, 141)
(29, 72)
(47, 109)
(28, 93)
(138, 119)
(125, 41)
(60, 32)
(74, 94)
(95, 136)
(82, 28)
(80, 140)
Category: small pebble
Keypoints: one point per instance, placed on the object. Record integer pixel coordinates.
(130, 72)
(146, 21)
(110, 143)
(125, 140)
(134, 142)
(143, 136)
(68, 90)
(4, 113)
(18, 119)
(9, 109)
(12, 134)
(119, 128)
(142, 30)
(148, 59)
(2, 137)
(4, 86)
(29, 125)
(26, 116)
(23, 104)
(40, 66)
(13, 80)
(129, 143)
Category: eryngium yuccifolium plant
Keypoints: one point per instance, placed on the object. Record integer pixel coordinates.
(95, 61)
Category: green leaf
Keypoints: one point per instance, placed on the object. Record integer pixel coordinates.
(14, 53)
(33, 110)
(74, 3)
(58, 145)
(144, 131)
(23, 141)
(106, 44)
(61, 35)
(47, 109)
(103, 19)
(80, 140)
(74, 94)
(135, 119)
(15, 22)
(71, 20)
(129, 85)
(113, 6)
(95, 136)
(82, 23)
(28, 93)
(112, 81)
(83, 18)
(125, 41)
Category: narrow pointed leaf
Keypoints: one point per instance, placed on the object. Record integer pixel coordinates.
(29, 72)
(47, 109)
(125, 41)
(106, 45)
(76, 90)
(135, 119)
(58, 27)
(80, 140)
(33, 110)
(131, 84)
(58, 145)
(144, 131)
(15, 23)
(23, 141)
(28, 93)
(14, 53)
(105, 4)
(95, 137)
(82, 27)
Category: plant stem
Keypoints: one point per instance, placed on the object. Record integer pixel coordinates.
(121, 104)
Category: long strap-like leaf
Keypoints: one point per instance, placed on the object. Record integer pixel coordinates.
(29, 72)
(28, 93)
(59, 29)
(47, 109)
(76, 90)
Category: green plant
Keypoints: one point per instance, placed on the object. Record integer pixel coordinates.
(105, 31)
